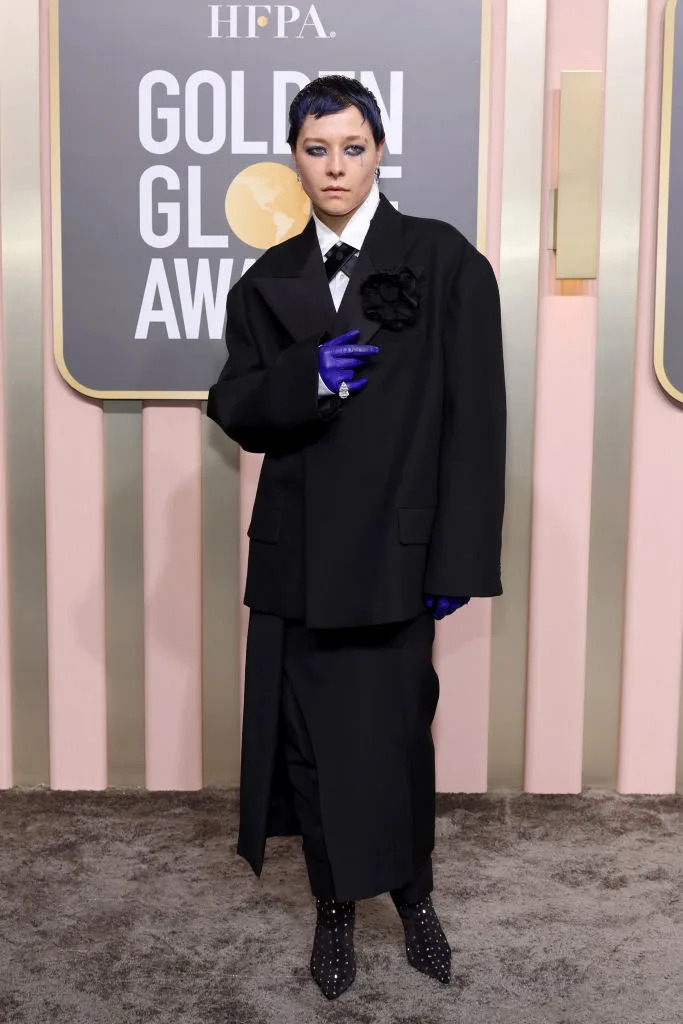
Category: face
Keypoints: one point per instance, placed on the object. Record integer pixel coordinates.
(336, 156)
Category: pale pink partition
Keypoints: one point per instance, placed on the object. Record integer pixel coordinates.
(250, 468)
(172, 552)
(74, 511)
(462, 649)
(654, 592)
(6, 770)
(563, 449)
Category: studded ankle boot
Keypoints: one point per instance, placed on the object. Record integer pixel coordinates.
(333, 959)
(426, 945)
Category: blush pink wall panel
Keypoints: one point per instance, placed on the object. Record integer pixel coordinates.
(171, 466)
(563, 447)
(250, 468)
(654, 580)
(560, 539)
(74, 508)
(462, 648)
(6, 770)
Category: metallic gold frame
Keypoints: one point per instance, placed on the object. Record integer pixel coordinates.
(56, 198)
(663, 211)
(484, 123)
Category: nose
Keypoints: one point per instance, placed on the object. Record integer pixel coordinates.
(335, 165)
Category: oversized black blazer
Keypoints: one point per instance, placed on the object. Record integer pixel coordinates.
(367, 503)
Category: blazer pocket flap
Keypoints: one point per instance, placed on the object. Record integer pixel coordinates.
(265, 523)
(415, 524)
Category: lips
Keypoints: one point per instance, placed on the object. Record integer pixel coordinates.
(335, 190)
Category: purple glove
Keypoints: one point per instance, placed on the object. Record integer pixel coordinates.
(338, 359)
(444, 605)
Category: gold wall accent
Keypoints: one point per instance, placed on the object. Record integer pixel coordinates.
(618, 273)
(124, 600)
(577, 217)
(221, 606)
(20, 220)
(519, 269)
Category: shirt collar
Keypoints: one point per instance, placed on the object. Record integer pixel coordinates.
(357, 228)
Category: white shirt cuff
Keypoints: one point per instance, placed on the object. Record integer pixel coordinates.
(323, 388)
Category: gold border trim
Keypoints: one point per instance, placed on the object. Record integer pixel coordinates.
(484, 123)
(663, 212)
(56, 199)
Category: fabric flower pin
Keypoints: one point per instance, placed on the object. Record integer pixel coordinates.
(391, 296)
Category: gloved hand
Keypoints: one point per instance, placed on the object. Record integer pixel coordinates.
(444, 605)
(339, 358)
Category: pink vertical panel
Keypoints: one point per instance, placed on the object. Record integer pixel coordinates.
(654, 578)
(74, 509)
(171, 492)
(6, 776)
(462, 649)
(563, 447)
(250, 468)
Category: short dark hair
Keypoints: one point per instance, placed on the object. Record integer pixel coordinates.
(329, 94)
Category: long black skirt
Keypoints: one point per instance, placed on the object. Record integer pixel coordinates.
(368, 696)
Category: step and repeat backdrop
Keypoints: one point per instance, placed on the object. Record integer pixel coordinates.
(143, 168)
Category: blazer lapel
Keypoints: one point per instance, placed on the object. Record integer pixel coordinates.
(299, 294)
(381, 249)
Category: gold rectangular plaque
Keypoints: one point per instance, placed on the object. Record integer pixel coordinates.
(578, 181)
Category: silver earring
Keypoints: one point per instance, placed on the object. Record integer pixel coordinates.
(377, 173)
(298, 176)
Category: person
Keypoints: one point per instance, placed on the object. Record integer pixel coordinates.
(365, 361)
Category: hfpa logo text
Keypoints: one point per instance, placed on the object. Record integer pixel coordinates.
(278, 21)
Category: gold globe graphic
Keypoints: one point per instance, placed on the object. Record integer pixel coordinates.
(265, 204)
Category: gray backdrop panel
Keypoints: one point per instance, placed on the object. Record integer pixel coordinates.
(105, 49)
(673, 321)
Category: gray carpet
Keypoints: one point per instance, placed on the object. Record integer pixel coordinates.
(131, 906)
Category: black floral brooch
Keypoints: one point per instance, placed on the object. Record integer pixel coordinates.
(391, 296)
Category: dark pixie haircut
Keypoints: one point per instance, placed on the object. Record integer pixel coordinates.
(329, 94)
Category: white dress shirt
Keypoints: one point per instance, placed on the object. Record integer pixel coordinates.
(353, 234)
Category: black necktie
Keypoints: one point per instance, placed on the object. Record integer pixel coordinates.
(340, 257)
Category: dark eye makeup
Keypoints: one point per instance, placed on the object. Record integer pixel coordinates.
(353, 150)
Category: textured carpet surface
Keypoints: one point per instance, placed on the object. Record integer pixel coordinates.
(132, 906)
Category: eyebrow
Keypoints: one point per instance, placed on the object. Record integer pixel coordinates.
(348, 138)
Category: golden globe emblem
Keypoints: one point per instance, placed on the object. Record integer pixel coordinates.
(265, 204)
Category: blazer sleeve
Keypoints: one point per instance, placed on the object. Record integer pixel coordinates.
(465, 546)
(261, 401)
